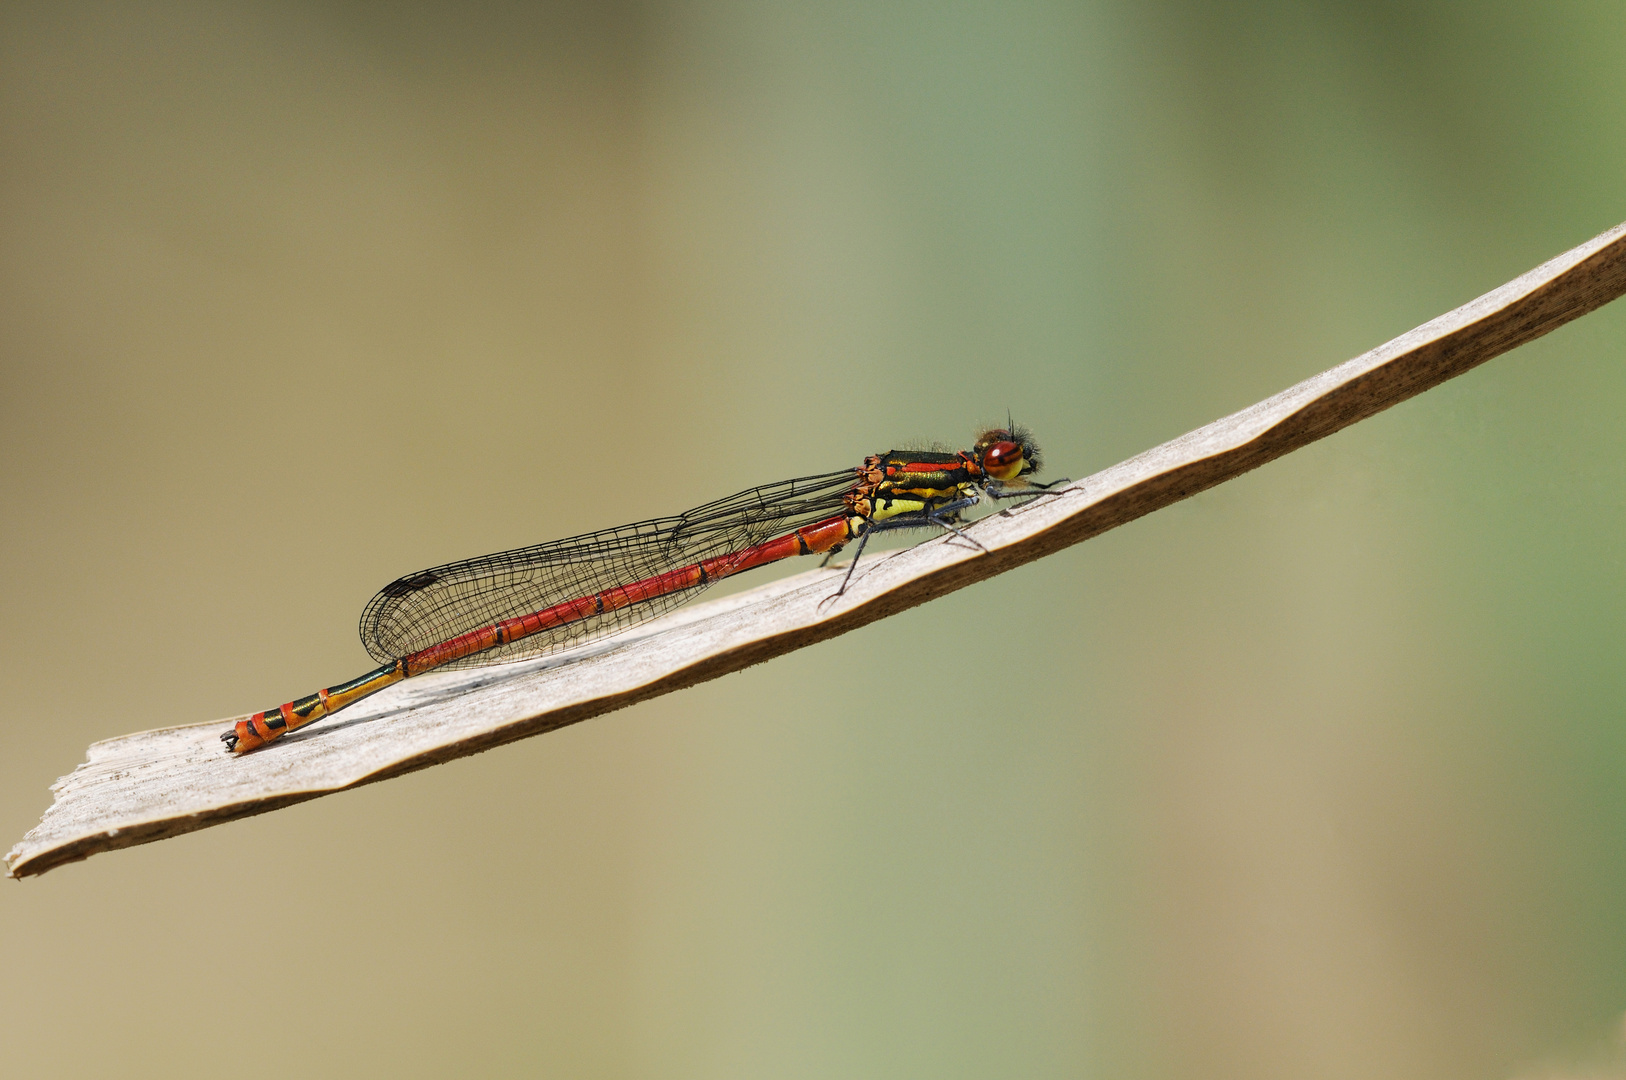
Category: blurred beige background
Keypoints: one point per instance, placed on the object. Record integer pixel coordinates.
(1321, 774)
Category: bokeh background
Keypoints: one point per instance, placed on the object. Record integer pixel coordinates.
(1320, 774)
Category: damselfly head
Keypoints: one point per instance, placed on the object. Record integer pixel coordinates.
(1007, 453)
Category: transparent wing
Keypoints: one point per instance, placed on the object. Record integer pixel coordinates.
(435, 605)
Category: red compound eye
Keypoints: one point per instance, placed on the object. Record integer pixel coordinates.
(1002, 460)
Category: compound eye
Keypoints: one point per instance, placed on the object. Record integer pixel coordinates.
(1002, 460)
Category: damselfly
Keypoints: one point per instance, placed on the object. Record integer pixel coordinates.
(540, 599)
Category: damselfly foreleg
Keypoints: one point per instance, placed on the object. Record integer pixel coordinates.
(1032, 491)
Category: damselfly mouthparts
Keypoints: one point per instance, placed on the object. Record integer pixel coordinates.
(540, 599)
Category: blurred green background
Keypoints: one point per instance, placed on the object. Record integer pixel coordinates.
(1320, 774)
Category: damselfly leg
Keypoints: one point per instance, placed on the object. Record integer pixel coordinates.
(1032, 491)
(939, 518)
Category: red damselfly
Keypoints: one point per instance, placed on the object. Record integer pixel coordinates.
(540, 599)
